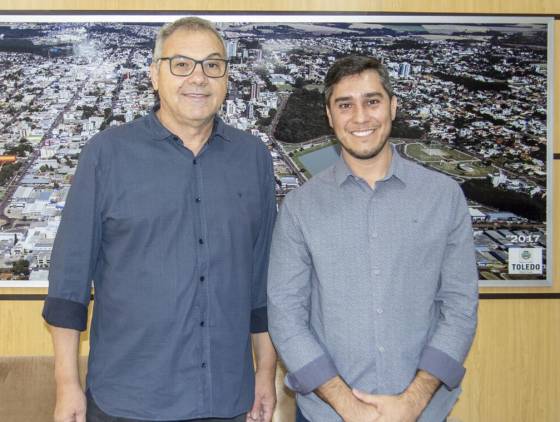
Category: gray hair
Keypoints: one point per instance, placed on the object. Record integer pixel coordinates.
(191, 23)
(354, 65)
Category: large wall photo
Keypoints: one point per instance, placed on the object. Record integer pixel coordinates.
(474, 94)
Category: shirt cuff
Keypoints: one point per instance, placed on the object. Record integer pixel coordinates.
(442, 366)
(65, 313)
(259, 320)
(312, 375)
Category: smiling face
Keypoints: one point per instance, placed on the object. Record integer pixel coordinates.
(189, 101)
(361, 113)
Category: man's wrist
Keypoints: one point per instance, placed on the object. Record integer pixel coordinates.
(345, 406)
(414, 401)
(63, 390)
(265, 355)
(420, 391)
(338, 395)
(66, 380)
(266, 373)
(347, 409)
(266, 368)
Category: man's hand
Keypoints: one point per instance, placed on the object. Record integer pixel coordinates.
(70, 398)
(70, 404)
(265, 397)
(265, 377)
(336, 393)
(391, 408)
(362, 412)
(405, 407)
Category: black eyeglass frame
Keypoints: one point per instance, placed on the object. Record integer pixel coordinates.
(196, 62)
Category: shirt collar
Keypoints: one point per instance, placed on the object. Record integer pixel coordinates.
(160, 132)
(398, 169)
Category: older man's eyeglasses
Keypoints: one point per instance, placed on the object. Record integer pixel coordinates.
(184, 66)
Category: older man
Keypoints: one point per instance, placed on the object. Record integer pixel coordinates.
(171, 217)
(372, 280)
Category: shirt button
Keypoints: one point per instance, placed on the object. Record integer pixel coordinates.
(203, 365)
(376, 272)
(197, 200)
(202, 323)
(194, 161)
(374, 235)
(381, 349)
(201, 278)
(379, 311)
(201, 241)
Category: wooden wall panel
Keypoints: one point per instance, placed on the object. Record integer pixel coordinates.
(23, 331)
(514, 365)
(394, 6)
(512, 370)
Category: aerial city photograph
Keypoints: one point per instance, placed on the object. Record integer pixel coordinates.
(472, 104)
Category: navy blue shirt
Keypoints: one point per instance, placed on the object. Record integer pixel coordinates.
(177, 247)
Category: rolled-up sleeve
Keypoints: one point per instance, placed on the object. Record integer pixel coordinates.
(289, 290)
(261, 248)
(76, 247)
(457, 298)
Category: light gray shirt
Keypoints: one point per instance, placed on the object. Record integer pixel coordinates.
(373, 284)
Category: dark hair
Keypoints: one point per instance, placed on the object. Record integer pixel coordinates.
(354, 65)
